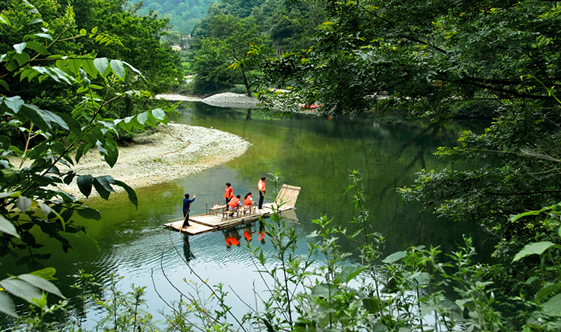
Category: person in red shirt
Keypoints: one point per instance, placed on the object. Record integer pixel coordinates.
(228, 192)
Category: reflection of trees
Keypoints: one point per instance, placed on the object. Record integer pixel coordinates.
(316, 154)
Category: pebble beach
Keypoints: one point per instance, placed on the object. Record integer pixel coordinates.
(164, 154)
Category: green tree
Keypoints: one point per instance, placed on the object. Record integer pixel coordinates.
(232, 43)
(433, 58)
(134, 39)
(30, 202)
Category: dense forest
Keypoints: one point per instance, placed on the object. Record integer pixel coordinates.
(76, 77)
(182, 15)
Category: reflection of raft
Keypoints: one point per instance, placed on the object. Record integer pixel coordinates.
(206, 222)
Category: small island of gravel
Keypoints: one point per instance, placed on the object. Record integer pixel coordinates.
(164, 154)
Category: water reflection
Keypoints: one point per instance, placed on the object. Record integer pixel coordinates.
(231, 237)
(313, 153)
(247, 233)
(261, 232)
(187, 248)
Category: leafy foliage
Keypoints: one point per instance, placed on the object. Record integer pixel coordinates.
(30, 202)
(231, 50)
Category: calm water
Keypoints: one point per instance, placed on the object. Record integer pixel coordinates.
(314, 153)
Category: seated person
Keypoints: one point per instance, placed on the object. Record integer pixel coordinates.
(233, 204)
(247, 202)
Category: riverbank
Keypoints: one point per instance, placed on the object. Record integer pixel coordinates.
(164, 154)
(226, 99)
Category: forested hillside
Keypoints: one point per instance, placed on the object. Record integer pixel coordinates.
(183, 14)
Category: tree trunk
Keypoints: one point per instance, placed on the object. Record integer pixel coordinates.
(245, 80)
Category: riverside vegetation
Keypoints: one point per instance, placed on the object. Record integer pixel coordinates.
(426, 54)
(419, 289)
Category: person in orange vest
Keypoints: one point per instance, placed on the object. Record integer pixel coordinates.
(233, 204)
(261, 187)
(228, 192)
(248, 202)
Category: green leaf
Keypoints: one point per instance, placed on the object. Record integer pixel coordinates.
(38, 47)
(12, 65)
(22, 59)
(142, 117)
(35, 21)
(7, 227)
(553, 306)
(7, 305)
(101, 64)
(547, 291)
(151, 121)
(20, 47)
(45, 208)
(89, 213)
(268, 325)
(132, 194)
(44, 35)
(14, 103)
(72, 124)
(394, 257)
(10, 194)
(372, 305)
(125, 125)
(83, 32)
(5, 85)
(134, 69)
(118, 68)
(20, 289)
(104, 182)
(23, 203)
(68, 179)
(323, 290)
(533, 248)
(46, 273)
(84, 183)
(4, 19)
(5, 142)
(41, 284)
(348, 273)
(89, 67)
(33, 114)
(160, 114)
(74, 65)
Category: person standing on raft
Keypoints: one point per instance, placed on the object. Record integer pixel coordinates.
(186, 208)
(228, 192)
(261, 188)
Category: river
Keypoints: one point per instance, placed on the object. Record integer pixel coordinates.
(315, 153)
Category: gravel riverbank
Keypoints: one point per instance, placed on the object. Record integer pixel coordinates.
(167, 153)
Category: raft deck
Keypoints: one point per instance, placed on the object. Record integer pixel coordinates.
(207, 222)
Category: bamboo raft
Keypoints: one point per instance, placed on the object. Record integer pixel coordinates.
(214, 220)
